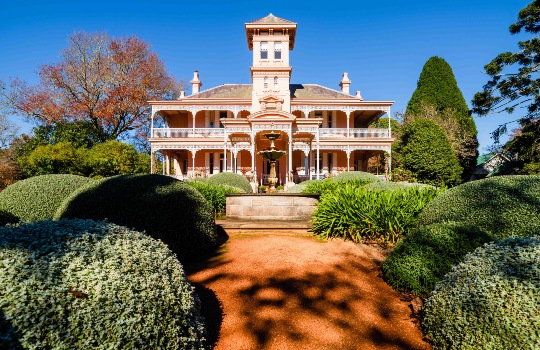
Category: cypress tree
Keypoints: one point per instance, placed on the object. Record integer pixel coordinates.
(426, 152)
(438, 87)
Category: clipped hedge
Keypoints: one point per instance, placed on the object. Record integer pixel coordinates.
(7, 218)
(38, 197)
(81, 284)
(422, 259)
(164, 207)
(506, 206)
(384, 185)
(231, 179)
(354, 212)
(356, 175)
(216, 195)
(490, 300)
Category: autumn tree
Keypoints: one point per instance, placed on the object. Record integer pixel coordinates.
(101, 80)
(8, 131)
(514, 87)
(438, 93)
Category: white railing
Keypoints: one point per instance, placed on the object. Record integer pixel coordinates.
(180, 133)
(354, 133)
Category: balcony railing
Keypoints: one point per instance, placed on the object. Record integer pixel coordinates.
(181, 133)
(354, 133)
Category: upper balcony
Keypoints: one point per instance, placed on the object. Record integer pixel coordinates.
(324, 133)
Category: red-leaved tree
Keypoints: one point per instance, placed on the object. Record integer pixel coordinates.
(102, 80)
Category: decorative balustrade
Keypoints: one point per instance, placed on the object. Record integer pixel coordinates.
(220, 132)
(180, 133)
(354, 133)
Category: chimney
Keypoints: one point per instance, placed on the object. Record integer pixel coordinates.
(182, 94)
(358, 95)
(345, 83)
(196, 83)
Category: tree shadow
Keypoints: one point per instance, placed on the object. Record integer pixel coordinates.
(212, 311)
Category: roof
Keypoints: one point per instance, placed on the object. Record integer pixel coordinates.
(484, 158)
(299, 91)
(271, 19)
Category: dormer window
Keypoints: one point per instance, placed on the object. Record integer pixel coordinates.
(266, 82)
(264, 50)
(277, 50)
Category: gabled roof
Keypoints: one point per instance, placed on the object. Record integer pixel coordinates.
(300, 91)
(271, 19)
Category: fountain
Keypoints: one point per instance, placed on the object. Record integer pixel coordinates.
(272, 154)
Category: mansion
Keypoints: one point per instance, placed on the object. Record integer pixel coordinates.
(324, 131)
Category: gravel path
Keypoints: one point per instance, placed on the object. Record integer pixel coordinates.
(296, 292)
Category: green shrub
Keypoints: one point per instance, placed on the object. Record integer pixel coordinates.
(357, 213)
(216, 195)
(384, 185)
(231, 179)
(80, 284)
(490, 300)
(164, 207)
(330, 185)
(356, 175)
(298, 188)
(37, 198)
(7, 218)
(505, 206)
(421, 260)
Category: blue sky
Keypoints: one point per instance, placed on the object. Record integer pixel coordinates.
(381, 44)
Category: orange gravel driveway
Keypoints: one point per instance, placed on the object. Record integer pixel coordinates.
(297, 292)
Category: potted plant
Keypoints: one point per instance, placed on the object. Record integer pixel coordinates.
(280, 188)
(262, 189)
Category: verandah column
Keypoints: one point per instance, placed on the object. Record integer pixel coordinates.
(318, 155)
(225, 152)
(290, 170)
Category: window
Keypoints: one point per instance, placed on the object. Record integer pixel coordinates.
(330, 119)
(222, 114)
(277, 50)
(264, 50)
(275, 83)
(211, 124)
(330, 161)
(211, 163)
(266, 82)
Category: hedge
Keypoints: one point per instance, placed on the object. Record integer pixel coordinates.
(231, 179)
(505, 206)
(216, 195)
(423, 257)
(356, 175)
(490, 300)
(164, 207)
(81, 284)
(38, 197)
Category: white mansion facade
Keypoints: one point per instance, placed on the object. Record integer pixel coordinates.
(324, 131)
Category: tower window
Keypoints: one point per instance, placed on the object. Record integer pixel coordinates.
(264, 50)
(266, 82)
(277, 50)
(275, 83)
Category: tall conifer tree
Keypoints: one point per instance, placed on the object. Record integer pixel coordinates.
(438, 87)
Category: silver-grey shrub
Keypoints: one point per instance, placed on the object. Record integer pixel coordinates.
(38, 197)
(82, 284)
(489, 301)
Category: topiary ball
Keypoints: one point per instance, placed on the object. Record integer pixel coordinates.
(38, 197)
(164, 207)
(422, 259)
(356, 175)
(231, 179)
(81, 284)
(505, 206)
(490, 300)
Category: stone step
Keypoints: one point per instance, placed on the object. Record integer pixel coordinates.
(264, 224)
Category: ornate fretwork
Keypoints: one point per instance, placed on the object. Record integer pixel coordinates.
(306, 109)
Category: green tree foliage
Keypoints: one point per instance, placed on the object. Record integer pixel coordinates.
(60, 158)
(116, 158)
(526, 144)
(425, 152)
(514, 87)
(438, 87)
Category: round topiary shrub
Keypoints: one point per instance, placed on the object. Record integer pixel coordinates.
(164, 207)
(356, 175)
(216, 195)
(7, 218)
(505, 206)
(424, 256)
(385, 185)
(490, 300)
(38, 197)
(231, 179)
(81, 284)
